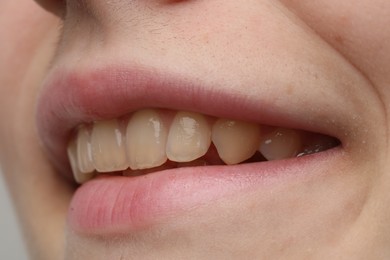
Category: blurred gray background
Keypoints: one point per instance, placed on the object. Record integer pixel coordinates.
(11, 244)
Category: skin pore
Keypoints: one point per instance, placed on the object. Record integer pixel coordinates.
(335, 55)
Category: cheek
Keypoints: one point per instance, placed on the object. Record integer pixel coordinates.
(360, 32)
(357, 29)
(340, 21)
(20, 48)
(24, 56)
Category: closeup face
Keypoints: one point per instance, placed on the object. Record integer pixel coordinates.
(215, 129)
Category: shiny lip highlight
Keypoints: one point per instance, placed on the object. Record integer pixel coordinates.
(71, 98)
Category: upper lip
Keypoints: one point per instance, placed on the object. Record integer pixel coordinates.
(73, 97)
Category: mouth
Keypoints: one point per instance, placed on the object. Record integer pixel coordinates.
(152, 140)
(145, 146)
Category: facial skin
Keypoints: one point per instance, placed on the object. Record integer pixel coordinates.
(334, 54)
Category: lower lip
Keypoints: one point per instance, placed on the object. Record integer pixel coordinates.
(118, 205)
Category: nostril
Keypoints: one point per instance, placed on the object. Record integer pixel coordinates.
(56, 7)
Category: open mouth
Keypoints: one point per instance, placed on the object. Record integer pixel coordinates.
(148, 146)
(152, 140)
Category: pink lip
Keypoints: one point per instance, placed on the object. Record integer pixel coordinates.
(119, 204)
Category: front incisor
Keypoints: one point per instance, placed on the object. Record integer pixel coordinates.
(146, 138)
(108, 147)
(236, 141)
(189, 137)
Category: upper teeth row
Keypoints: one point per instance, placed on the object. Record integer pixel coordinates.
(150, 137)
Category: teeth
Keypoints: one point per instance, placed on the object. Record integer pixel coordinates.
(108, 147)
(77, 174)
(280, 144)
(84, 151)
(147, 143)
(146, 138)
(189, 137)
(235, 141)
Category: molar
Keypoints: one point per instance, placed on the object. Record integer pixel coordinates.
(189, 137)
(280, 144)
(108, 147)
(146, 138)
(236, 141)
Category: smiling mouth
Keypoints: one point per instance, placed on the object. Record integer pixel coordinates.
(147, 146)
(150, 140)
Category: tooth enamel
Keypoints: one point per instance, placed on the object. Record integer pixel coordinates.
(147, 143)
(189, 137)
(146, 138)
(84, 151)
(280, 144)
(108, 147)
(235, 141)
(77, 174)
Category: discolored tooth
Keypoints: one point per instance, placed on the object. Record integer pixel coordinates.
(280, 144)
(236, 141)
(189, 137)
(84, 151)
(146, 138)
(108, 147)
(77, 174)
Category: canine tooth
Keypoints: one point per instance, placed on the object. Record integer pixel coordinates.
(84, 151)
(189, 137)
(108, 147)
(77, 174)
(235, 141)
(146, 138)
(280, 144)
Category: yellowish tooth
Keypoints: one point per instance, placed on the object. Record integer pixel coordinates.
(108, 147)
(146, 138)
(84, 151)
(77, 174)
(236, 141)
(189, 137)
(280, 144)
